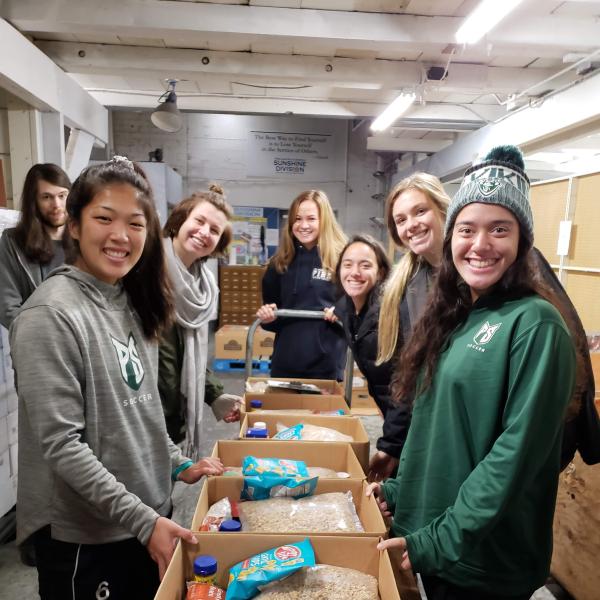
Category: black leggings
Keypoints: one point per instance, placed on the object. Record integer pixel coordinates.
(438, 589)
(115, 571)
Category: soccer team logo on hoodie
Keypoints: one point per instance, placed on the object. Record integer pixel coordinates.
(485, 333)
(130, 364)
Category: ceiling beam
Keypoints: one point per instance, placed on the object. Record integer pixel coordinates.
(388, 143)
(572, 110)
(113, 59)
(187, 21)
(30, 75)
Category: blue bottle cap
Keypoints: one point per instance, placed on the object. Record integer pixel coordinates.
(205, 564)
(230, 526)
(256, 403)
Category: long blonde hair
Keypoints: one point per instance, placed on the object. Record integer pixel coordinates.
(331, 237)
(395, 286)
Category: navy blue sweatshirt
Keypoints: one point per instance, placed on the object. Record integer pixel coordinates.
(308, 349)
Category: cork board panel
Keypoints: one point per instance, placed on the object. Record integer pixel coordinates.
(577, 531)
(584, 291)
(548, 204)
(586, 223)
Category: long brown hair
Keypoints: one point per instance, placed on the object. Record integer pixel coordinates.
(147, 284)
(390, 336)
(331, 237)
(181, 212)
(30, 233)
(449, 305)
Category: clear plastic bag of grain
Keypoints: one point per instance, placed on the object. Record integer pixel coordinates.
(323, 582)
(324, 513)
(312, 433)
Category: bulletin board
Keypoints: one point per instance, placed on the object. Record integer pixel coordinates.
(548, 204)
(585, 251)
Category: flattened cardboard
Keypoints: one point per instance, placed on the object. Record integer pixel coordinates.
(285, 401)
(330, 386)
(230, 548)
(349, 425)
(216, 488)
(339, 455)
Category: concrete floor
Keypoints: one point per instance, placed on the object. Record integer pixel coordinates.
(18, 582)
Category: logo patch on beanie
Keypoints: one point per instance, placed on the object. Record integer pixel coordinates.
(487, 187)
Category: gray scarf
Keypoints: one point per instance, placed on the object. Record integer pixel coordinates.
(196, 300)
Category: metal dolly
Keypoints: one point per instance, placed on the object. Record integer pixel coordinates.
(301, 314)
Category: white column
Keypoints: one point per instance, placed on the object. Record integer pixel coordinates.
(53, 138)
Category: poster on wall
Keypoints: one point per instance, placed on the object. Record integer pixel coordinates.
(255, 235)
(290, 155)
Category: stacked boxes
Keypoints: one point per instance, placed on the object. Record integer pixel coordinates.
(230, 342)
(240, 294)
(8, 428)
(355, 550)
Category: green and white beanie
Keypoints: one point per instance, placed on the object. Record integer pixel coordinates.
(500, 179)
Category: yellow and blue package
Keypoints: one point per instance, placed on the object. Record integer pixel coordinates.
(281, 467)
(247, 577)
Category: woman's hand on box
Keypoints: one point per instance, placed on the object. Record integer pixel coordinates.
(381, 466)
(375, 490)
(205, 466)
(400, 544)
(163, 541)
(266, 313)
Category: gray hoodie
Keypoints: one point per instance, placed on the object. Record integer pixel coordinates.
(95, 460)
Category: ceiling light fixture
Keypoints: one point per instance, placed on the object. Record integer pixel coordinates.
(483, 19)
(393, 111)
(166, 115)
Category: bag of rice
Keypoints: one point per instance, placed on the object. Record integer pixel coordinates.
(308, 432)
(323, 582)
(323, 513)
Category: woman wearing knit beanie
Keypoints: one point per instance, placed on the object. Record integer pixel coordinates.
(492, 368)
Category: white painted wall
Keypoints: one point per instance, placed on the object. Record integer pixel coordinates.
(5, 154)
(213, 147)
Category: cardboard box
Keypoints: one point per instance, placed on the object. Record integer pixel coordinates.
(229, 549)
(13, 427)
(348, 425)
(8, 496)
(339, 455)
(329, 386)
(216, 488)
(230, 342)
(577, 530)
(363, 404)
(595, 356)
(303, 402)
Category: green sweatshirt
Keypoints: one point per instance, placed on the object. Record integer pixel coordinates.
(477, 481)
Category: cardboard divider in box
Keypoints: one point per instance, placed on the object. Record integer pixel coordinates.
(329, 386)
(216, 488)
(303, 402)
(358, 553)
(339, 456)
(348, 425)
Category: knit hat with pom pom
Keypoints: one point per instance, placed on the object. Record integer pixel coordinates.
(500, 179)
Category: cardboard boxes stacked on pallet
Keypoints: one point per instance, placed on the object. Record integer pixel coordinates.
(240, 294)
(353, 550)
(577, 522)
(8, 428)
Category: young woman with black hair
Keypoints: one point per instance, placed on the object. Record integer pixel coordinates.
(95, 462)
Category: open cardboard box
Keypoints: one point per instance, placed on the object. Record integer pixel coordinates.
(216, 488)
(230, 342)
(348, 425)
(339, 455)
(230, 548)
(287, 401)
(329, 386)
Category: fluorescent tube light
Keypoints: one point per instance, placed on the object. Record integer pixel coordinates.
(393, 111)
(483, 19)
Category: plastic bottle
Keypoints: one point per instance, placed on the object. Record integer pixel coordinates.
(205, 568)
(230, 526)
(255, 404)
